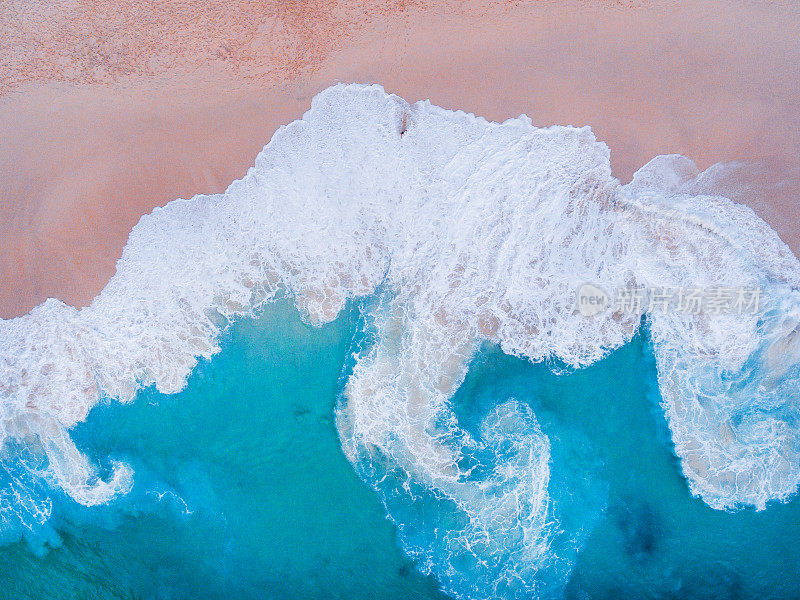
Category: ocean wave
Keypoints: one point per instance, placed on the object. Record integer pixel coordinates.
(480, 232)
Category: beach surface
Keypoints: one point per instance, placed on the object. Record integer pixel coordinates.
(108, 110)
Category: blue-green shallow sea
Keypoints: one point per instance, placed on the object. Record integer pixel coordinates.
(242, 491)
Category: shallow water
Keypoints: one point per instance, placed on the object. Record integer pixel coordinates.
(250, 451)
(241, 487)
(651, 539)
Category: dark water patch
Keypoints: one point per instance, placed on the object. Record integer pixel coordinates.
(640, 527)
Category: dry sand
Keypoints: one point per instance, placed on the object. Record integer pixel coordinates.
(108, 109)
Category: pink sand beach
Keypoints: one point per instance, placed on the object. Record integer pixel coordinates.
(109, 109)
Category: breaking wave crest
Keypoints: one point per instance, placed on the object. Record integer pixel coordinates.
(480, 232)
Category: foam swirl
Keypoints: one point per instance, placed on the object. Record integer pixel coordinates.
(481, 232)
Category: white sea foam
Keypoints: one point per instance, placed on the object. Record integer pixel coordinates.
(480, 231)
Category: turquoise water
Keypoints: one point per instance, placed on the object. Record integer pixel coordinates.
(242, 491)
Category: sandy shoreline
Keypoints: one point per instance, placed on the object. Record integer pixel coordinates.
(93, 143)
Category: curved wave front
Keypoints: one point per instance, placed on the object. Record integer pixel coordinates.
(480, 232)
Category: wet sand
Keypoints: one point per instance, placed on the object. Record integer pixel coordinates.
(110, 112)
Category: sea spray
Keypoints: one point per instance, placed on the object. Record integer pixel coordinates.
(481, 232)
